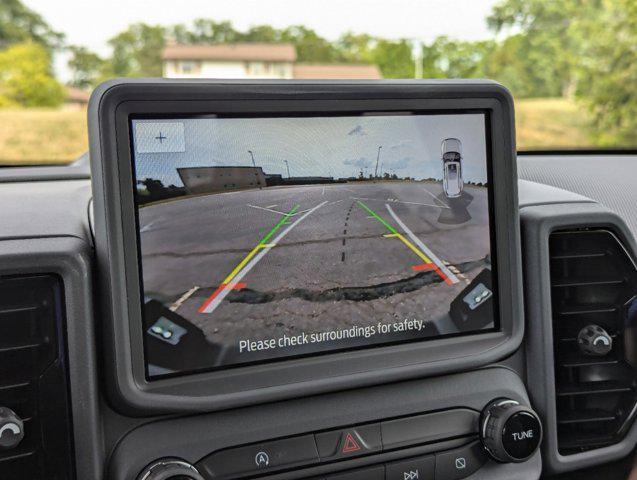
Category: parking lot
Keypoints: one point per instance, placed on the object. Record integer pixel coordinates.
(250, 263)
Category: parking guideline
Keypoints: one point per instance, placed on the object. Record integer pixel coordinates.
(429, 264)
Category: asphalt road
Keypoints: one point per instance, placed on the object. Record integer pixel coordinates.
(259, 264)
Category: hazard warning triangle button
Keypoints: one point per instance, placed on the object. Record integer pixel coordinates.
(349, 442)
(350, 445)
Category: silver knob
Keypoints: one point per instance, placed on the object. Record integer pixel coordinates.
(167, 468)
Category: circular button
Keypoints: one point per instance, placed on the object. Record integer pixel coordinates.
(170, 469)
(510, 432)
(521, 435)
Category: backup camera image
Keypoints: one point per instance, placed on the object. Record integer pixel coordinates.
(265, 238)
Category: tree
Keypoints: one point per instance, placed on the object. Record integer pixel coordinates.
(607, 69)
(205, 30)
(545, 47)
(87, 67)
(310, 46)
(394, 58)
(262, 33)
(25, 77)
(584, 48)
(137, 51)
(448, 58)
(19, 23)
(356, 47)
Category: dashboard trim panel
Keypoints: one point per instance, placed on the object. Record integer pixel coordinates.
(538, 222)
(109, 111)
(70, 258)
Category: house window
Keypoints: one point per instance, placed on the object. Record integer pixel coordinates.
(256, 68)
(187, 67)
(280, 70)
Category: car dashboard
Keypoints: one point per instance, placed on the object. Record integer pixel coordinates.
(567, 388)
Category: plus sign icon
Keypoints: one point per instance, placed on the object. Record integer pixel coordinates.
(159, 137)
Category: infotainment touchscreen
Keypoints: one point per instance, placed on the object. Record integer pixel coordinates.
(266, 238)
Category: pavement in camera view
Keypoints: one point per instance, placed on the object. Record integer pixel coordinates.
(263, 263)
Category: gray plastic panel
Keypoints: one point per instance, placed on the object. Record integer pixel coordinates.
(537, 224)
(531, 193)
(70, 258)
(192, 438)
(44, 209)
(606, 178)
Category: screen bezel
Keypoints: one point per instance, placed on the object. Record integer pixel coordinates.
(287, 115)
(111, 107)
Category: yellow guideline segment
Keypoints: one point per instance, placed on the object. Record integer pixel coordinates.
(244, 262)
(411, 246)
(261, 244)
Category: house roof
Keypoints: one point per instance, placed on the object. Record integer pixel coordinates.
(76, 95)
(267, 52)
(329, 71)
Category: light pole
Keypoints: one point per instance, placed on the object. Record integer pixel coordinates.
(287, 165)
(417, 51)
(377, 158)
(256, 173)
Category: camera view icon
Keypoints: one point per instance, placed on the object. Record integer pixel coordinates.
(262, 459)
(411, 475)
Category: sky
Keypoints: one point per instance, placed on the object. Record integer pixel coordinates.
(338, 147)
(92, 22)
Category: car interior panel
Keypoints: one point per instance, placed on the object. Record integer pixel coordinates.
(222, 289)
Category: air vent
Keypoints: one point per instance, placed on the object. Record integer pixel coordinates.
(593, 284)
(33, 377)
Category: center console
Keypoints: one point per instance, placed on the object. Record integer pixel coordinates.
(441, 445)
(311, 280)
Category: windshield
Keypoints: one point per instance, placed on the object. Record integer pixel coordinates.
(571, 65)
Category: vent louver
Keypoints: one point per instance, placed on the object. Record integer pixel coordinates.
(593, 282)
(33, 380)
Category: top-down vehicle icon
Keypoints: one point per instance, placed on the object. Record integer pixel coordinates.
(452, 182)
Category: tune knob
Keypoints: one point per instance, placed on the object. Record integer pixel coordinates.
(170, 468)
(11, 429)
(510, 432)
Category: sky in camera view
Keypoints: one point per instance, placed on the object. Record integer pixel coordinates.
(335, 147)
(421, 20)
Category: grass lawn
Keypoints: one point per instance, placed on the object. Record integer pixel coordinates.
(543, 123)
(39, 136)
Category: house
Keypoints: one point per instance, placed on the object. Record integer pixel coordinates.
(239, 60)
(252, 60)
(330, 71)
(76, 98)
